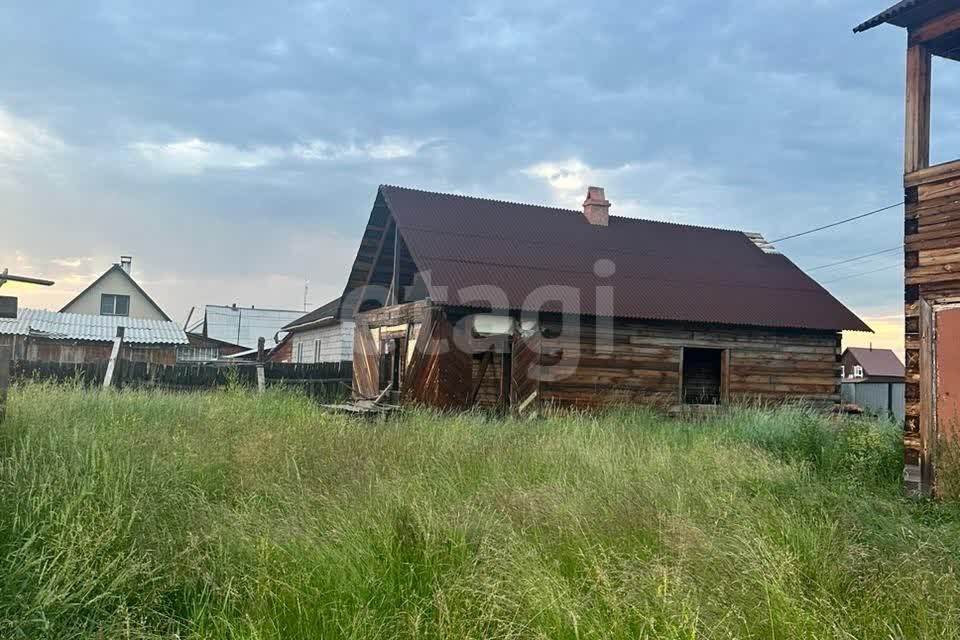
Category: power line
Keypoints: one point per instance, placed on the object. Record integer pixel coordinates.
(864, 273)
(854, 259)
(837, 223)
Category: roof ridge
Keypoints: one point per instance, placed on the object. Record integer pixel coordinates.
(563, 210)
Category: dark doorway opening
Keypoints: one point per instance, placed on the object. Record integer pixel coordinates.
(392, 352)
(702, 376)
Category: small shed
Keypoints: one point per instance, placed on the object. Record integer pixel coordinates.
(49, 336)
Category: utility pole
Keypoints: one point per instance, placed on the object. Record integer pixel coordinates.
(8, 309)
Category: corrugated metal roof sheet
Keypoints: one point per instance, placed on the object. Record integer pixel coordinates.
(487, 253)
(878, 362)
(329, 310)
(907, 12)
(244, 325)
(77, 326)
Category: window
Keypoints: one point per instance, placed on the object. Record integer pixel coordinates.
(316, 350)
(857, 371)
(843, 371)
(300, 352)
(702, 376)
(114, 305)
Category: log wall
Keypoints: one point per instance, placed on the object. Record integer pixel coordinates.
(624, 361)
(932, 279)
(641, 362)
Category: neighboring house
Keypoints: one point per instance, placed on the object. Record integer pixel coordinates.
(862, 364)
(323, 335)
(116, 293)
(467, 302)
(203, 349)
(243, 326)
(50, 336)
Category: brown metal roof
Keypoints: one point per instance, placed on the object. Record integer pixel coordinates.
(908, 13)
(878, 362)
(492, 254)
(330, 310)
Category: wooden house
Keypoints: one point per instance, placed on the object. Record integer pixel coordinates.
(866, 364)
(323, 335)
(47, 336)
(116, 293)
(461, 302)
(931, 245)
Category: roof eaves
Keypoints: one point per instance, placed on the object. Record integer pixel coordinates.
(888, 14)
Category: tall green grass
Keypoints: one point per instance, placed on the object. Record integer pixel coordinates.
(227, 515)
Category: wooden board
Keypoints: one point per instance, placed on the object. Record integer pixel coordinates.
(946, 387)
(366, 370)
(525, 384)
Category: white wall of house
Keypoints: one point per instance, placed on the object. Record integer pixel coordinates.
(118, 284)
(336, 344)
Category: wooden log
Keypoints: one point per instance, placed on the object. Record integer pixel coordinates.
(6, 355)
(114, 357)
(917, 133)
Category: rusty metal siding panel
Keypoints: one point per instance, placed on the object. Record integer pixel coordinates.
(947, 384)
(491, 254)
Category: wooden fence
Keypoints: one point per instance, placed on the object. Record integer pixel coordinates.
(327, 380)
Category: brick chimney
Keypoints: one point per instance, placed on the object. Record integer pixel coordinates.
(126, 262)
(596, 208)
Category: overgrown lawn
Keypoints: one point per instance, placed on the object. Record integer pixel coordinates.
(228, 515)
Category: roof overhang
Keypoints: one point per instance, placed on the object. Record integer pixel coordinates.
(908, 14)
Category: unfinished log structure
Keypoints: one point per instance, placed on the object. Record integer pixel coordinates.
(931, 246)
(463, 302)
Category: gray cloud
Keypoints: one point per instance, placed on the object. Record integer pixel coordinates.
(235, 147)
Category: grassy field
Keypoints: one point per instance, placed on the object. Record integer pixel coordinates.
(143, 515)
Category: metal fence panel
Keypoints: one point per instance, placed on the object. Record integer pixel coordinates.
(879, 398)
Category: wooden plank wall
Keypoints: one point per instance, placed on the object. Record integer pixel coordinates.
(366, 367)
(932, 278)
(525, 375)
(78, 351)
(644, 364)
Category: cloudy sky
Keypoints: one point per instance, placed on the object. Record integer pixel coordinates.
(234, 149)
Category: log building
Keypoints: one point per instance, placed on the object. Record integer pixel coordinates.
(461, 302)
(931, 245)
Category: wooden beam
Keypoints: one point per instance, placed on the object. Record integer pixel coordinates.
(917, 133)
(395, 272)
(114, 357)
(927, 395)
(937, 27)
(6, 355)
(487, 358)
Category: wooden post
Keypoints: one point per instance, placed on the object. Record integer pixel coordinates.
(261, 376)
(917, 134)
(114, 356)
(6, 354)
(261, 379)
(928, 427)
